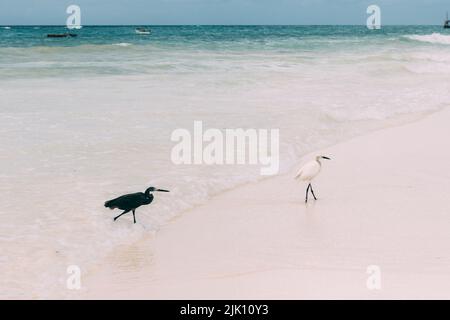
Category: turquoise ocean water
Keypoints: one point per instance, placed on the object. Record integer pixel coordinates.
(101, 50)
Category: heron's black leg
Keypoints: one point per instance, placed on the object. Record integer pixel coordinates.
(134, 217)
(126, 211)
(312, 191)
(307, 189)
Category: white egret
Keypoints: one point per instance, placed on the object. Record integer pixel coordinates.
(308, 172)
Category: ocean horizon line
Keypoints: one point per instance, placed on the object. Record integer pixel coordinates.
(219, 25)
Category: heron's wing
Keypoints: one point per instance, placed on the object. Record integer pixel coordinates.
(126, 201)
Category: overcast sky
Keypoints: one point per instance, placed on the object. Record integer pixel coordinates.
(160, 12)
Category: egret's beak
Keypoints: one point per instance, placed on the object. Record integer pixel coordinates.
(326, 158)
(161, 190)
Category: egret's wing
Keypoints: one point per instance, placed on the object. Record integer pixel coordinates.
(299, 173)
(308, 170)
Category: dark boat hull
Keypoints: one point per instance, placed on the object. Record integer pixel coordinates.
(63, 35)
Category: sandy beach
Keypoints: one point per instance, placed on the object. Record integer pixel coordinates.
(383, 201)
(90, 118)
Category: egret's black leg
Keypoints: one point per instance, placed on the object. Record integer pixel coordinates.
(126, 211)
(312, 191)
(134, 217)
(307, 189)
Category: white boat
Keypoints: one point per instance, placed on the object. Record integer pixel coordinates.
(142, 31)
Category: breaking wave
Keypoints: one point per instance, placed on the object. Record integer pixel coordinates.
(436, 38)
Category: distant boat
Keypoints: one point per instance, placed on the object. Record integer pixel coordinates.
(142, 31)
(447, 23)
(61, 35)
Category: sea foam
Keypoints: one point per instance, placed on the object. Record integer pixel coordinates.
(436, 38)
(122, 44)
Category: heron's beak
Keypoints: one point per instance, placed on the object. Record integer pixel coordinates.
(162, 190)
(326, 158)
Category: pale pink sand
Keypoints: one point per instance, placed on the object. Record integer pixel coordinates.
(384, 200)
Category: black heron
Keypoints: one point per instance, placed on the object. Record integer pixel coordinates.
(132, 201)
